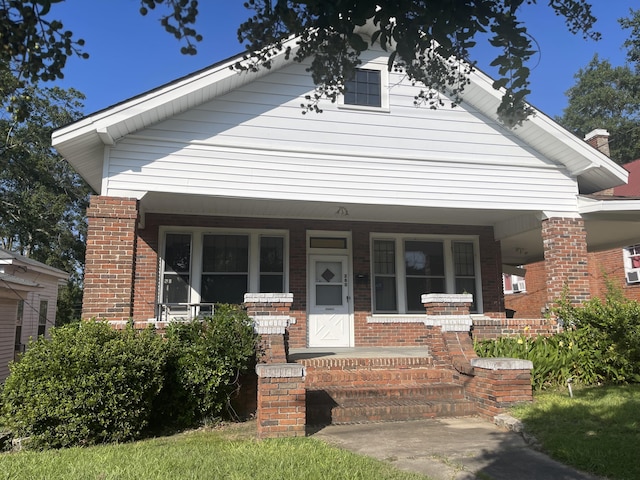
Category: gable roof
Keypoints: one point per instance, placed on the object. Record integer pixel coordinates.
(17, 260)
(631, 189)
(82, 142)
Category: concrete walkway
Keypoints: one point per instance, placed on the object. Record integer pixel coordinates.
(450, 449)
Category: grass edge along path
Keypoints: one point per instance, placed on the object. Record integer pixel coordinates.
(229, 452)
(597, 431)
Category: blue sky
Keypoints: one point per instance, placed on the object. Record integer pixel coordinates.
(130, 54)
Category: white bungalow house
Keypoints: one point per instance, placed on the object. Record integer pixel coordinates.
(28, 298)
(216, 185)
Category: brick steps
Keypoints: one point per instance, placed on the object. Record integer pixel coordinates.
(386, 404)
(358, 390)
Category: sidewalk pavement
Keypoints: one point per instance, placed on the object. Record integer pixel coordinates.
(450, 449)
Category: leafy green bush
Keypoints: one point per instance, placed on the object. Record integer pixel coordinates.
(206, 359)
(85, 385)
(600, 344)
(555, 359)
(612, 327)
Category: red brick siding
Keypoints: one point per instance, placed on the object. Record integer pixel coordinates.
(144, 291)
(602, 267)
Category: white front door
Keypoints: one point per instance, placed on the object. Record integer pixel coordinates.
(329, 316)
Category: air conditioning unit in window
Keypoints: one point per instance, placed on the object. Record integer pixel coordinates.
(633, 276)
(519, 286)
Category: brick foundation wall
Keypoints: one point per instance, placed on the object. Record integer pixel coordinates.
(110, 258)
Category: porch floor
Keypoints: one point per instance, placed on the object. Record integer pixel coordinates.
(357, 352)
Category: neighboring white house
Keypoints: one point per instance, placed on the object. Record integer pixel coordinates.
(28, 298)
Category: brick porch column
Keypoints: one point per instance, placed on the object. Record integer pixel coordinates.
(109, 269)
(566, 263)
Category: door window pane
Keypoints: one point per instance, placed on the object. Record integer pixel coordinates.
(328, 294)
(177, 254)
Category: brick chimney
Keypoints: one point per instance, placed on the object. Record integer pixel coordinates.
(599, 139)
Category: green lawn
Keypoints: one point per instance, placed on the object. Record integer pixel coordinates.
(597, 431)
(223, 453)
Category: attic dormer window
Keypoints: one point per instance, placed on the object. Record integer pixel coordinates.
(364, 89)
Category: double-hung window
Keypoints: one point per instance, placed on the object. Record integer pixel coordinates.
(201, 266)
(405, 268)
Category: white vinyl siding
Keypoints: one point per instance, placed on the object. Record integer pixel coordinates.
(255, 143)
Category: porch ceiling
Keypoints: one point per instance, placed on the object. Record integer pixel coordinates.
(605, 228)
(517, 249)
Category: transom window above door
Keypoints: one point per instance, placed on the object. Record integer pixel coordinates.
(220, 267)
(404, 268)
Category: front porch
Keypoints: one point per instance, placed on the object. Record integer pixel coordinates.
(301, 389)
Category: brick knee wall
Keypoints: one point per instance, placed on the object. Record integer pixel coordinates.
(497, 384)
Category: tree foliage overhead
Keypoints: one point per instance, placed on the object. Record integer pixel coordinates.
(34, 47)
(422, 36)
(607, 96)
(42, 199)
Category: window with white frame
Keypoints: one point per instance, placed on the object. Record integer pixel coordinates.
(203, 266)
(405, 267)
(632, 263)
(368, 89)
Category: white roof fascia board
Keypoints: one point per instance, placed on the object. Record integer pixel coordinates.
(586, 157)
(104, 122)
(592, 205)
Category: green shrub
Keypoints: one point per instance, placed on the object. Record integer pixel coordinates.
(85, 385)
(600, 344)
(206, 359)
(612, 327)
(555, 359)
